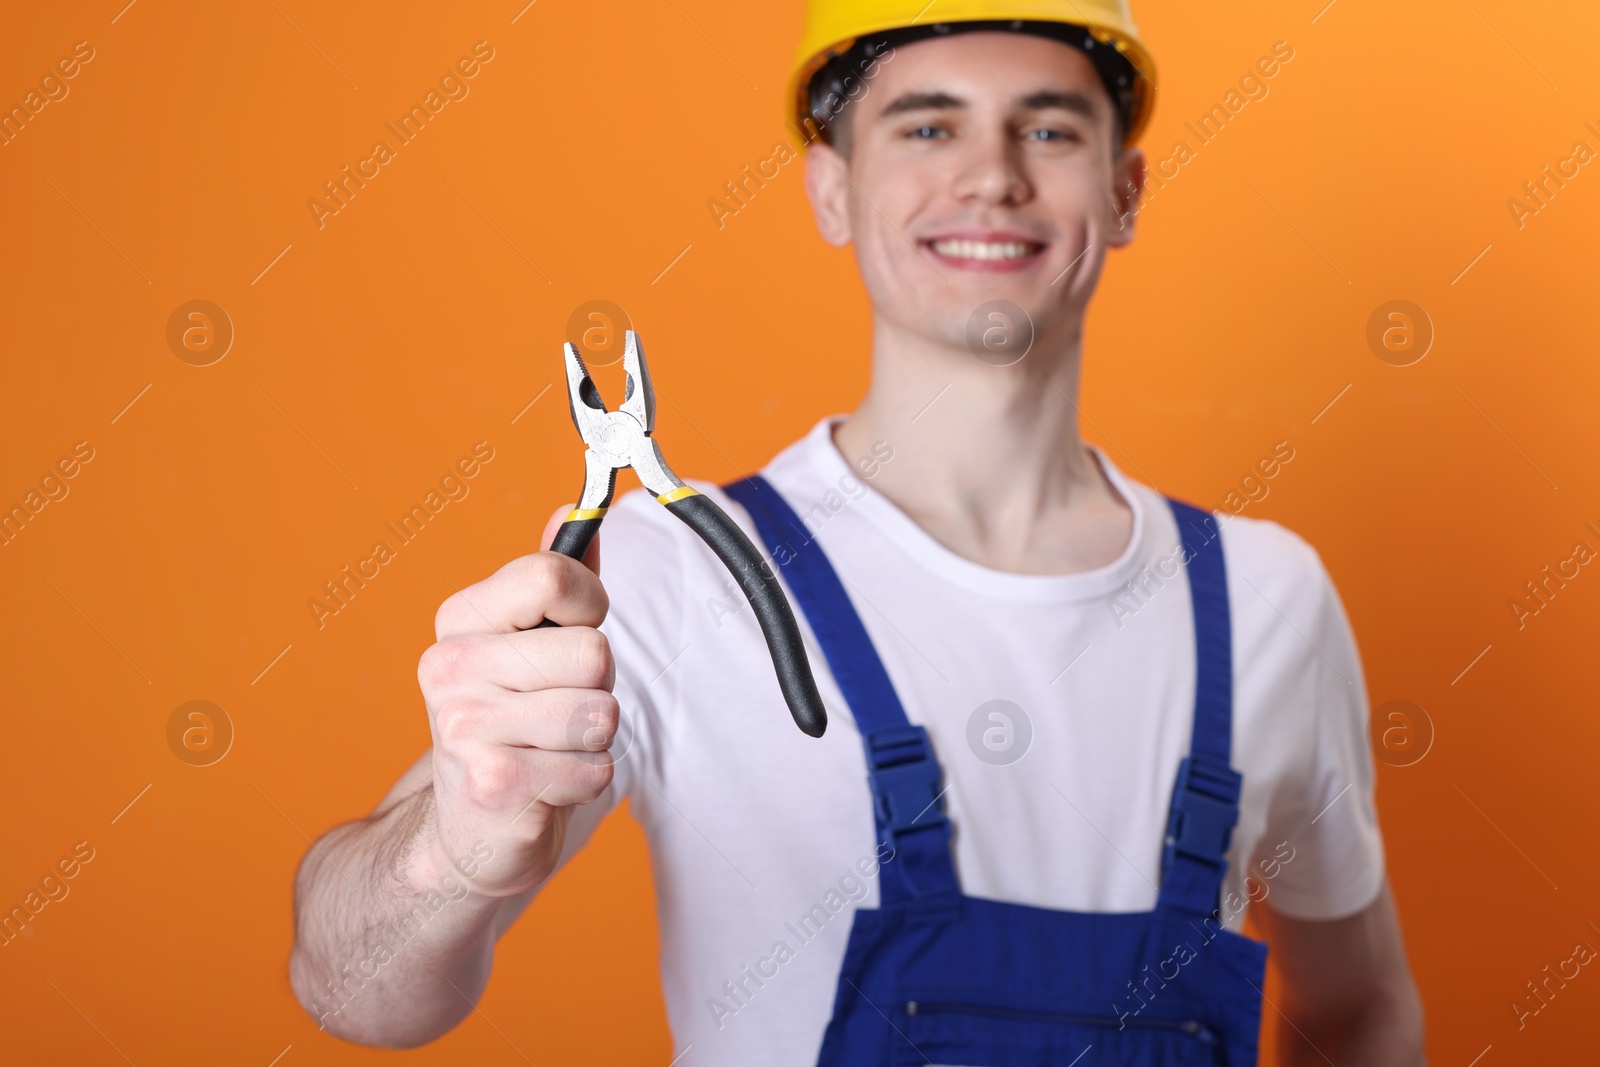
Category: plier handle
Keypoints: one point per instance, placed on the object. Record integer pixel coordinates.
(622, 438)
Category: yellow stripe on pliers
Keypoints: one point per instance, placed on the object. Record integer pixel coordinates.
(580, 514)
(680, 493)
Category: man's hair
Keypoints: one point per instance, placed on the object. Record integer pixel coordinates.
(846, 76)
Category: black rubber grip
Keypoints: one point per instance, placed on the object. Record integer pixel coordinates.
(573, 539)
(702, 515)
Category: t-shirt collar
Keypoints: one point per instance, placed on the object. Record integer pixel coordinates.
(918, 544)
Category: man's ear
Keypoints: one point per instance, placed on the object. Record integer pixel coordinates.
(1127, 194)
(828, 186)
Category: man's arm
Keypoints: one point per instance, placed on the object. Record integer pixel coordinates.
(373, 960)
(1348, 995)
(396, 915)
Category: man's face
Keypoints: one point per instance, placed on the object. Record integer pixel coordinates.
(981, 167)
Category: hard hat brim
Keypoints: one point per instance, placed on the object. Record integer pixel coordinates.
(803, 128)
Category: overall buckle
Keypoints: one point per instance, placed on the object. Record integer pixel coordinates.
(1205, 809)
(904, 778)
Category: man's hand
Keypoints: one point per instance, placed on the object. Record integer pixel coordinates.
(522, 718)
(396, 915)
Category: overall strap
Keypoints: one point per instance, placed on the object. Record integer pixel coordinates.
(902, 772)
(1205, 797)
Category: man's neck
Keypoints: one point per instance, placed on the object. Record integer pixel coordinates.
(988, 460)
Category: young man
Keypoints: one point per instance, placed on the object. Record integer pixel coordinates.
(1066, 659)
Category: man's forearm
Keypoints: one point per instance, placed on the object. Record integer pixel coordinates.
(1385, 1032)
(1348, 995)
(391, 947)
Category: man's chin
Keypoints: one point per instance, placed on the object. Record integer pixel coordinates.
(993, 326)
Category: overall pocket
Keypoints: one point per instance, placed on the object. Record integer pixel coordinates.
(950, 1033)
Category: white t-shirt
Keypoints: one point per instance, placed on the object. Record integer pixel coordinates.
(762, 838)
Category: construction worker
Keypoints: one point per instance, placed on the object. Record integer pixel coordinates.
(1130, 718)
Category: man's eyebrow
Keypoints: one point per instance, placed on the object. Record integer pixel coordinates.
(922, 102)
(1066, 100)
(1043, 99)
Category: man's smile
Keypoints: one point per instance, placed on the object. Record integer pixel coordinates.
(992, 250)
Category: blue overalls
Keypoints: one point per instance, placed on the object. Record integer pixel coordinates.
(933, 976)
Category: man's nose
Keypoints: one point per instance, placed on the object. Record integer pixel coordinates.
(993, 171)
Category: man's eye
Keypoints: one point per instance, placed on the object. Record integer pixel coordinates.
(1050, 135)
(925, 133)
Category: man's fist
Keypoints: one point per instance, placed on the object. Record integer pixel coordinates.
(522, 718)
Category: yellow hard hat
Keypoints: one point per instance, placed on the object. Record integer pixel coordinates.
(832, 26)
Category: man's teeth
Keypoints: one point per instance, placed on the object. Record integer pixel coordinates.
(963, 249)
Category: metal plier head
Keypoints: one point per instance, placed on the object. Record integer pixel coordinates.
(620, 438)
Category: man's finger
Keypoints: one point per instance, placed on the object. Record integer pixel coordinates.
(514, 779)
(552, 720)
(563, 778)
(479, 665)
(522, 594)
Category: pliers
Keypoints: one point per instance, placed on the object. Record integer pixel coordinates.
(622, 438)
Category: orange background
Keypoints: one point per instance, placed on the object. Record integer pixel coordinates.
(427, 314)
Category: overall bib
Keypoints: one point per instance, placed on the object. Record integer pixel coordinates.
(935, 977)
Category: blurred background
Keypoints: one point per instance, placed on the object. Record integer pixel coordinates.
(216, 393)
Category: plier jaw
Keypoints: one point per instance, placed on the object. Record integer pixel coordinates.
(622, 438)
